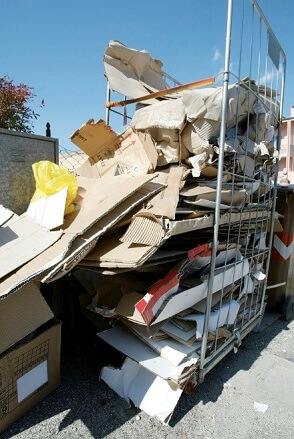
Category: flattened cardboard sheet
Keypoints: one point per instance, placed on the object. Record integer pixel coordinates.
(94, 202)
(127, 343)
(22, 239)
(147, 391)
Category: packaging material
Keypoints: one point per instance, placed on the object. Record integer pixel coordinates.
(195, 195)
(226, 314)
(49, 211)
(110, 154)
(50, 179)
(145, 310)
(30, 370)
(22, 239)
(132, 72)
(22, 313)
(147, 391)
(85, 243)
(93, 204)
(168, 348)
(163, 205)
(169, 115)
(160, 326)
(127, 343)
(92, 137)
(163, 121)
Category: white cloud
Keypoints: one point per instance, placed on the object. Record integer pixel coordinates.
(216, 55)
(267, 78)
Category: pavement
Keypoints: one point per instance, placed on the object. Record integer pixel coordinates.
(247, 395)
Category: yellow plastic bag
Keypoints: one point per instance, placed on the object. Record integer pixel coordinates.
(50, 179)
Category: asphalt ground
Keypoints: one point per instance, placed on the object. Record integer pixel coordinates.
(222, 407)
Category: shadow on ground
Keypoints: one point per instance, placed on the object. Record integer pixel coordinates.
(82, 396)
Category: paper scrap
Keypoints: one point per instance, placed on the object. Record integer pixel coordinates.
(49, 211)
(260, 407)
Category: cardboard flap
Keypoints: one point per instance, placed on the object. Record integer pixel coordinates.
(92, 137)
(94, 203)
(22, 313)
(111, 154)
(22, 239)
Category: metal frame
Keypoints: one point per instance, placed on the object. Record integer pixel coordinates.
(207, 361)
(270, 96)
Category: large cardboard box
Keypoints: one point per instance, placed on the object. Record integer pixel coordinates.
(29, 371)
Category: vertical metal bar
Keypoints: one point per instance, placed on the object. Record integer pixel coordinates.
(226, 76)
(107, 110)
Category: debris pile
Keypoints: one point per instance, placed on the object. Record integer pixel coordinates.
(139, 239)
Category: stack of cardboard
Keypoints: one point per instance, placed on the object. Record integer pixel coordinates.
(139, 239)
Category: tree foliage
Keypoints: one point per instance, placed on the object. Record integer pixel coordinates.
(15, 113)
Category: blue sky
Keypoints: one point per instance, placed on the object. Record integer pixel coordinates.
(57, 46)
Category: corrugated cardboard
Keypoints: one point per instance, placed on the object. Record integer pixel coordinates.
(226, 314)
(92, 137)
(195, 194)
(149, 305)
(93, 203)
(21, 239)
(86, 243)
(183, 300)
(28, 373)
(146, 390)
(21, 313)
(132, 72)
(146, 227)
(127, 343)
(168, 348)
(113, 253)
(111, 154)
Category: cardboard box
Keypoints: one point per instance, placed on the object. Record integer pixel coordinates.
(93, 205)
(110, 154)
(29, 371)
(22, 313)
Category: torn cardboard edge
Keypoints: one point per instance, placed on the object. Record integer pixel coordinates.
(122, 255)
(184, 299)
(77, 223)
(87, 242)
(22, 239)
(127, 343)
(49, 211)
(146, 227)
(149, 392)
(111, 154)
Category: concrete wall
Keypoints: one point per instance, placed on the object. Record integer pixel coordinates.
(18, 151)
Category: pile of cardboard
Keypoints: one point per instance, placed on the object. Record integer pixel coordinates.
(139, 239)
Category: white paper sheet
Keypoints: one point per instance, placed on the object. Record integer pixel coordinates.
(49, 211)
(31, 381)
